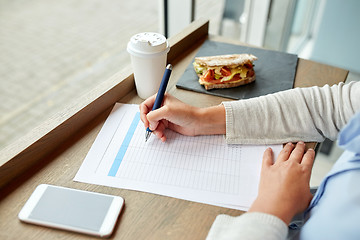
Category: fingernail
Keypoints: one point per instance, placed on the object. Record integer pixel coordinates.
(301, 143)
(151, 126)
(289, 143)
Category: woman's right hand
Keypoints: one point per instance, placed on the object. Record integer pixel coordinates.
(181, 117)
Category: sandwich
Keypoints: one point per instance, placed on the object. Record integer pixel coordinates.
(225, 71)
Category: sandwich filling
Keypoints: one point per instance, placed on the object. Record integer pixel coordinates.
(223, 74)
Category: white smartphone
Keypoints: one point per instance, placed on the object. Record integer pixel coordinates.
(70, 209)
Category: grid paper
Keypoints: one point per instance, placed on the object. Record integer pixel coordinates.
(202, 168)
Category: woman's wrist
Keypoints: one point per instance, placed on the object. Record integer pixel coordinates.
(280, 210)
(212, 120)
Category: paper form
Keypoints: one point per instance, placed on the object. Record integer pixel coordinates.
(202, 169)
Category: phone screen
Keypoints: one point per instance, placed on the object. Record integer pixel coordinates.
(72, 208)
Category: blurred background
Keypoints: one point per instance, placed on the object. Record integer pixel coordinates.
(53, 52)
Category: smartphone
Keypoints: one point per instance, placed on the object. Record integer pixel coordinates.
(70, 209)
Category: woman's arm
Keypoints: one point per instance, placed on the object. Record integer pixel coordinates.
(300, 114)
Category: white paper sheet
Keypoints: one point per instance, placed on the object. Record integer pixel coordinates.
(202, 169)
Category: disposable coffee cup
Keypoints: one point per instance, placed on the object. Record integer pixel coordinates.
(148, 53)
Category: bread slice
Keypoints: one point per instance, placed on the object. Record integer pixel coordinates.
(230, 60)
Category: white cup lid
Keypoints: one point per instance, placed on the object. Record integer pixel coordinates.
(147, 43)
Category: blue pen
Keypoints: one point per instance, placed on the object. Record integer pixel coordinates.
(160, 95)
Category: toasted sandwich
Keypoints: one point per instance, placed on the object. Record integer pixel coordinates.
(225, 71)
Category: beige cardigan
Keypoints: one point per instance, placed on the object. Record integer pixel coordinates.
(306, 114)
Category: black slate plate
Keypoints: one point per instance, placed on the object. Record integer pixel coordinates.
(275, 71)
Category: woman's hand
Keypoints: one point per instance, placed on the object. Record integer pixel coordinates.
(284, 185)
(182, 118)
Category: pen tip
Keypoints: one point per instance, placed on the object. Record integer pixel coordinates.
(147, 135)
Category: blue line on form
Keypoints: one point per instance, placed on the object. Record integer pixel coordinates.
(124, 146)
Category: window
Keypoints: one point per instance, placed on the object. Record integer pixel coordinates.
(53, 52)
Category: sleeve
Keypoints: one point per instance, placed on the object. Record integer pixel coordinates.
(252, 226)
(300, 114)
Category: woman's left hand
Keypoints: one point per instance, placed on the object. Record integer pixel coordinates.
(284, 185)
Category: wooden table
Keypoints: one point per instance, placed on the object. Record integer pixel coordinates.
(53, 153)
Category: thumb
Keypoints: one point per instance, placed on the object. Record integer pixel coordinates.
(268, 158)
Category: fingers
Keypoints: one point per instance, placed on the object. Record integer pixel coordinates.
(268, 158)
(145, 108)
(298, 153)
(309, 157)
(151, 118)
(154, 117)
(160, 131)
(160, 135)
(300, 156)
(285, 152)
(156, 120)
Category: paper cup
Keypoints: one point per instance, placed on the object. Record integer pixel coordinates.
(148, 52)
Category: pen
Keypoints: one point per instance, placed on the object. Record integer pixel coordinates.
(160, 95)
